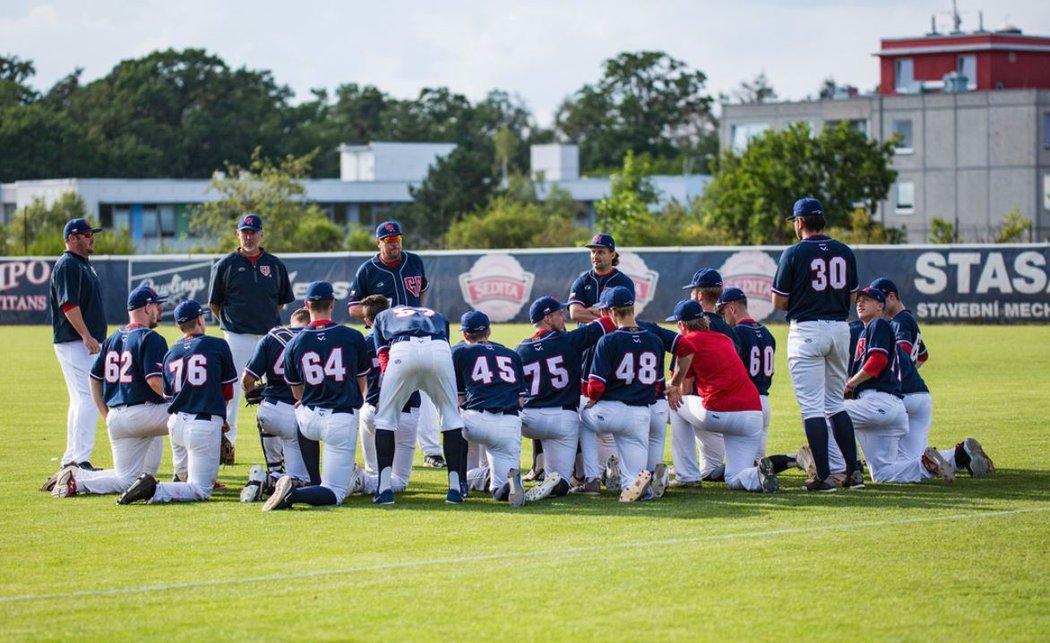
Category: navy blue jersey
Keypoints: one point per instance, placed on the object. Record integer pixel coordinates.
(719, 325)
(403, 284)
(408, 321)
(375, 377)
(757, 349)
(490, 375)
(268, 363)
(668, 337)
(856, 327)
(588, 286)
(248, 292)
(195, 370)
(128, 357)
(911, 349)
(630, 362)
(326, 360)
(817, 275)
(878, 338)
(551, 363)
(75, 282)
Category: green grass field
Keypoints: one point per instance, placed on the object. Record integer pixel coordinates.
(898, 562)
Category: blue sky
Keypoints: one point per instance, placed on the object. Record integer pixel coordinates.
(542, 50)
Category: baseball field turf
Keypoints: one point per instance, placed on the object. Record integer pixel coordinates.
(970, 561)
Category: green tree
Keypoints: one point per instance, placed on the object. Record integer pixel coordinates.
(274, 192)
(456, 185)
(645, 102)
(1014, 228)
(943, 231)
(36, 229)
(752, 193)
(862, 229)
(625, 212)
(510, 223)
(14, 72)
(755, 91)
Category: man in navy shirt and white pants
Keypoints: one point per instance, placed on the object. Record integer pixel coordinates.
(249, 287)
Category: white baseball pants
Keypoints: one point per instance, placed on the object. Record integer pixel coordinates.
(82, 417)
(658, 413)
(199, 440)
(818, 353)
(500, 435)
(595, 449)
(685, 438)
(242, 346)
(919, 407)
(765, 427)
(559, 431)
(880, 421)
(338, 431)
(404, 445)
(629, 426)
(278, 418)
(419, 364)
(427, 432)
(136, 435)
(741, 433)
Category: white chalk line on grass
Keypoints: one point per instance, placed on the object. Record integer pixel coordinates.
(145, 589)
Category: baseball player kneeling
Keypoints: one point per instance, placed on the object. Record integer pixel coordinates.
(728, 403)
(326, 366)
(198, 379)
(128, 390)
(490, 382)
(627, 367)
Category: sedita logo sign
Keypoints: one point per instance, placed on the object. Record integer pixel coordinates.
(753, 273)
(497, 285)
(644, 279)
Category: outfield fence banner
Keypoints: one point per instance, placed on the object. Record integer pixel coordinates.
(952, 283)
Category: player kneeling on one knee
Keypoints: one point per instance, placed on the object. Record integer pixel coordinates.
(326, 365)
(490, 383)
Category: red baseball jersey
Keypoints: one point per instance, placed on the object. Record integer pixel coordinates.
(720, 377)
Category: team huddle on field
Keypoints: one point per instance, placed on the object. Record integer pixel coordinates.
(595, 400)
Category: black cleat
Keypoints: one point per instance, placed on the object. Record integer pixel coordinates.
(142, 489)
(86, 466)
(434, 462)
(817, 484)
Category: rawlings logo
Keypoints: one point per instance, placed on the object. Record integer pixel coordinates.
(497, 285)
(751, 272)
(414, 285)
(177, 284)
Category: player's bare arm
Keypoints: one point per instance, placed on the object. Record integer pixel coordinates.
(297, 391)
(357, 311)
(674, 388)
(76, 320)
(156, 383)
(780, 302)
(214, 308)
(98, 397)
(582, 314)
(362, 384)
(248, 381)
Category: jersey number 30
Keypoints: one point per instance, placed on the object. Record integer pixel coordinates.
(828, 272)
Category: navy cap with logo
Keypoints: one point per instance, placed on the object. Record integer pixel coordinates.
(543, 307)
(320, 291)
(806, 207)
(250, 222)
(686, 310)
(387, 229)
(78, 226)
(474, 321)
(873, 293)
(142, 296)
(705, 278)
(187, 311)
(615, 297)
(885, 285)
(731, 294)
(602, 240)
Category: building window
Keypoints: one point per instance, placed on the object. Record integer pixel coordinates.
(904, 76)
(905, 197)
(902, 129)
(121, 219)
(742, 134)
(967, 66)
(158, 221)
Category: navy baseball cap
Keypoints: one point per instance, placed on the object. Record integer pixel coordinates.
(250, 222)
(873, 293)
(885, 285)
(187, 311)
(686, 310)
(543, 307)
(387, 229)
(78, 226)
(602, 240)
(705, 278)
(474, 321)
(320, 291)
(144, 295)
(731, 294)
(806, 207)
(615, 297)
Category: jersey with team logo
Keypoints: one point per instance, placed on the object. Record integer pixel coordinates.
(877, 337)
(195, 370)
(589, 285)
(403, 284)
(669, 338)
(551, 363)
(490, 375)
(408, 321)
(817, 275)
(127, 358)
(720, 377)
(629, 362)
(856, 327)
(757, 348)
(911, 349)
(375, 377)
(326, 359)
(248, 291)
(268, 363)
(74, 282)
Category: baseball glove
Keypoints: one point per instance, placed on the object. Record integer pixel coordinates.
(226, 451)
(253, 396)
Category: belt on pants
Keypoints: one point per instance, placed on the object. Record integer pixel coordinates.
(203, 417)
(495, 411)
